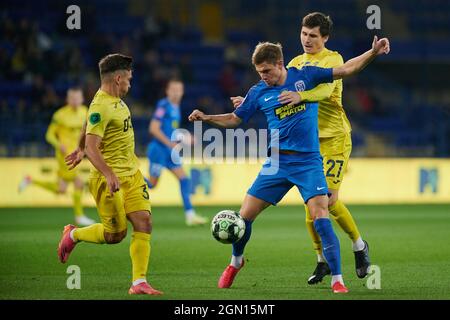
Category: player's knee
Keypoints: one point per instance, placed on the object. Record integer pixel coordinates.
(318, 210)
(318, 207)
(319, 213)
(145, 223)
(113, 238)
(142, 222)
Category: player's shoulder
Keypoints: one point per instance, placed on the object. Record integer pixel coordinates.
(60, 112)
(256, 88)
(332, 57)
(62, 109)
(331, 53)
(102, 102)
(163, 103)
(296, 61)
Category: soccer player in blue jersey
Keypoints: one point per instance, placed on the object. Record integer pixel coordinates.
(299, 161)
(334, 138)
(159, 152)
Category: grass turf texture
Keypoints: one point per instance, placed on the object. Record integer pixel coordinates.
(409, 243)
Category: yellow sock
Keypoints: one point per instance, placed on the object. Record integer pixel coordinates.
(317, 243)
(50, 186)
(93, 233)
(140, 254)
(77, 207)
(342, 216)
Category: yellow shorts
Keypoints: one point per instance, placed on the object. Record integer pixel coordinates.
(63, 171)
(336, 153)
(112, 209)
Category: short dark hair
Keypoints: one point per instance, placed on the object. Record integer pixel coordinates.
(114, 62)
(318, 19)
(267, 52)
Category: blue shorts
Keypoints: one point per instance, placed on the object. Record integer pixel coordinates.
(302, 170)
(161, 157)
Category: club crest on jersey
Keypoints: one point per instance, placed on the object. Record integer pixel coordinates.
(300, 86)
(94, 118)
(160, 112)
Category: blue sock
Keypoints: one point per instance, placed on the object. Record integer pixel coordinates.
(185, 187)
(238, 247)
(330, 243)
(150, 186)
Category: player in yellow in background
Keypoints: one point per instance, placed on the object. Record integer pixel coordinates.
(63, 134)
(334, 137)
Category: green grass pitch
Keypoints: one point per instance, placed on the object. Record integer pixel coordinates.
(408, 243)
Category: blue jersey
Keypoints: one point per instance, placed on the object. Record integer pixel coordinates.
(296, 125)
(169, 115)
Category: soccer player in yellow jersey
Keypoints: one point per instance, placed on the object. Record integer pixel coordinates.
(334, 136)
(63, 133)
(116, 183)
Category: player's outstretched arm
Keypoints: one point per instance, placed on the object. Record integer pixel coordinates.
(358, 63)
(227, 120)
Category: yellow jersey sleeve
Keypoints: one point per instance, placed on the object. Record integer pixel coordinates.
(98, 118)
(51, 134)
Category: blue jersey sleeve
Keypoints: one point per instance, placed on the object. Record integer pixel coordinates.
(318, 75)
(248, 106)
(160, 111)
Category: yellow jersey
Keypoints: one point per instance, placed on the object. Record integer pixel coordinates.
(65, 128)
(332, 118)
(109, 118)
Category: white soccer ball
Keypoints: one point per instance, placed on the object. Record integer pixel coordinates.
(227, 226)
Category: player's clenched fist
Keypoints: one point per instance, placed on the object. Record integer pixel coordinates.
(196, 115)
(381, 46)
(236, 101)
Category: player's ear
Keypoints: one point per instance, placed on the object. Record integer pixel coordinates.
(325, 39)
(117, 77)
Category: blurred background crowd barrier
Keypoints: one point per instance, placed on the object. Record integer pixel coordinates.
(399, 107)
